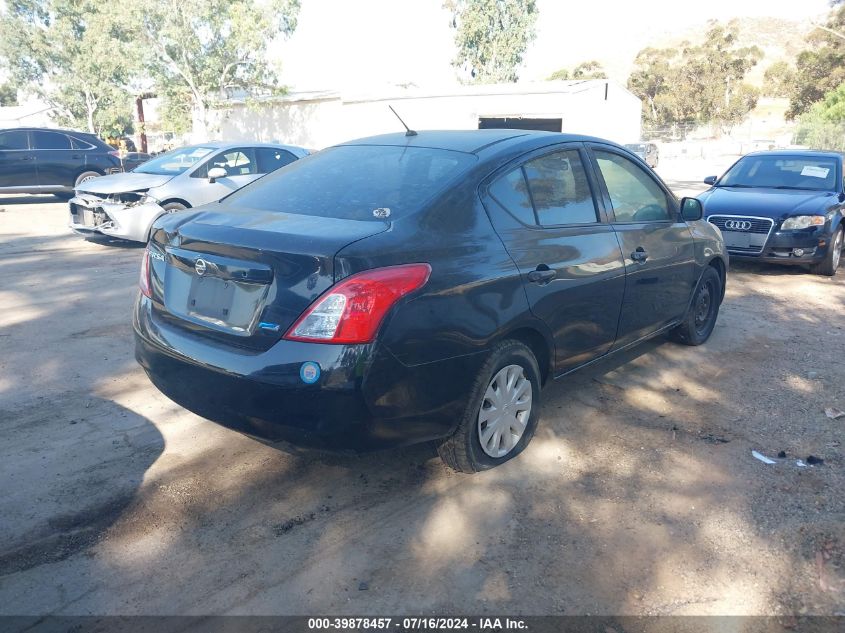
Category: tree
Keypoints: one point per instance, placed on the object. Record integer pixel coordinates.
(491, 37)
(200, 52)
(778, 80)
(585, 70)
(823, 125)
(8, 95)
(697, 84)
(67, 52)
(821, 67)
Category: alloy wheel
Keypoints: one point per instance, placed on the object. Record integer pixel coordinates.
(505, 411)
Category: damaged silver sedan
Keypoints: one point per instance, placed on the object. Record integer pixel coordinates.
(126, 205)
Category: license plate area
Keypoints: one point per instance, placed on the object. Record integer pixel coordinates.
(211, 299)
(225, 305)
(735, 239)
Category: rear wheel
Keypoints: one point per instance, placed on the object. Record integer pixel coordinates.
(700, 319)
(85, 176)
(502, 412)
(829, 265)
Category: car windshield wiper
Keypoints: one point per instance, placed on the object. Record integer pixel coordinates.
(738, 186)
(795, 188)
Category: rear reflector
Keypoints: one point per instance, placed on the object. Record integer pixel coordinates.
(352, 311)
(144, 279)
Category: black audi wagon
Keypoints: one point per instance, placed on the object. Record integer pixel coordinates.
(421, 287)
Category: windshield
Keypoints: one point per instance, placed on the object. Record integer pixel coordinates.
(358, 182)
(782, 171)
(175, 162)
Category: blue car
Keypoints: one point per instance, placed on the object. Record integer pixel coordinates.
(781, 207)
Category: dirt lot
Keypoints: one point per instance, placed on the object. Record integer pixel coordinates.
(639, 494)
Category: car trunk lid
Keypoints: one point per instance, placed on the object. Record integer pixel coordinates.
(243, 276)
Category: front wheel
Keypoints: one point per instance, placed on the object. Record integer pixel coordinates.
(829, 265)
(700, 319)
(172, 207)
(502, 412)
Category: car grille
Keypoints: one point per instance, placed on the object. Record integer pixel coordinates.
(758, 225)
(744, 235)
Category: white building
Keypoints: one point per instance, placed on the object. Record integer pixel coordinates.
(319, 119)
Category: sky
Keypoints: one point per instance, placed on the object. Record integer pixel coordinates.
(358, 44)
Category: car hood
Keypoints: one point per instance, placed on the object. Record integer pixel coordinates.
(766, 203)
(121, 183)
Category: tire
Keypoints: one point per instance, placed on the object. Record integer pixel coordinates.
(85, 175)
(700, 319)
(829, 265)
(463, 451)
(170, 207)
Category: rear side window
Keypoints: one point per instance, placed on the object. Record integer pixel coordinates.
(560, 190)
(79, 143)
(50, 140)
(13, 140)
(511, 192)
(634, 194)
(359, 182)
(270, 159)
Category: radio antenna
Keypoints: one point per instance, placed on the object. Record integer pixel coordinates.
(409, 132)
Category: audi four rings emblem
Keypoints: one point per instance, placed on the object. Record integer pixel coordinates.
(738, 225)
(200, 266)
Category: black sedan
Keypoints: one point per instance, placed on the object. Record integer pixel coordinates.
(784, 207)
(407, 288)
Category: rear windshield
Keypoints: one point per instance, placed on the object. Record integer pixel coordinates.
(357, 182)
(174, 162)
(783, 172)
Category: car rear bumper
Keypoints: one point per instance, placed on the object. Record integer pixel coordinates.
(364, 397)
(90, 216)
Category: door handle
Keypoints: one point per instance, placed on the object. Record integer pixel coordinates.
(639, 255)
(542, 275)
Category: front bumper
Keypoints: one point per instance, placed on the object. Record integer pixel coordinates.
(363, 399)
(90, 215)
(781, 246)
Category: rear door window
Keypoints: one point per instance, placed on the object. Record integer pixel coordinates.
(13, 140)
(270, 159)
(635, 196)
(511, 193)
(50, 140)
(560, 189)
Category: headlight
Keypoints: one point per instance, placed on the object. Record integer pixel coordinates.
(802, 222)
(143, 198)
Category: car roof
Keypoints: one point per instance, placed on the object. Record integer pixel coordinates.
(469, 141)
(242, 143)
(797, 152)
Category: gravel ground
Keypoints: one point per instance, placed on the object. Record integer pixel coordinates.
(639, 494)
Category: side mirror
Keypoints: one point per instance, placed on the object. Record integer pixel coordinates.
(711, 180)
(216, 172)
(691, 209)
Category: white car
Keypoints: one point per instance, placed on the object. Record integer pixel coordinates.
(126, 205)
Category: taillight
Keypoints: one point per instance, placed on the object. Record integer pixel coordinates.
(144, 280)
(114, 153)
(351, 311)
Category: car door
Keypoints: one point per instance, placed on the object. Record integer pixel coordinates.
(656, 243)
(545, 211)
(240, 167)
(17, 162)
(58, 163)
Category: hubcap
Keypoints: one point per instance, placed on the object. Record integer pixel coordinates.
(505, 411)
(702, 307)
(837, 249)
